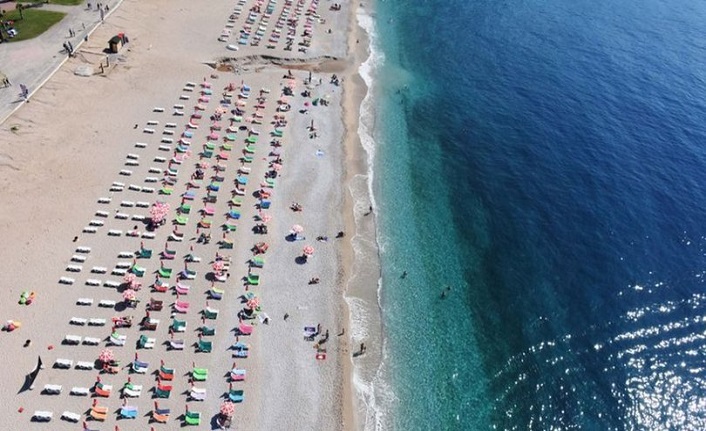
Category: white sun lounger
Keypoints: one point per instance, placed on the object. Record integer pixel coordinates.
(184, 97)
(135, 187)
(178, 113)
(91, 341)
(141, 204)
(148, 130)
(89, 229)
(84, 365)
(135, 392)
(156, 170)
(70, 416)
(122, 216)
(74, 268)
(148, 235)
(108, 303)
(123, 265)
(84, 250)
(132, 163)
(171, 125)
(112, 284)
(96, 321)
(78, 258)
(126, 254)
(63, 364)
(152, 122)
(84, 301)
(42, 416)
(119, 271)
(147, 190)
(72, 339)
(80, 391)
(52, 389)
(165, 147)
(104, 200)
(128, 204)
(153, 179)
(157, 109)
(102, 213)
(198, 394)
(93, 282)
(99, 270)
(168, 132)
(140, 145)
(125, 172)
(117, 340)
(96, 223)
(178, 106)
(118, 184)
(115, 232)
(79, 321)
(67, 280)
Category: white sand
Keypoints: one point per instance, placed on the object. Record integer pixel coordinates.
(62, 152)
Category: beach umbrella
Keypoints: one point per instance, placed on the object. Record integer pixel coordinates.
(130, 279)
(308, 251)
(297, 229)
(227, 408)
(276, 166)
(159, 211)
(253, 303)
(265, 217)
(106, 355)
(218, 266)
(129, 295)
(204, 165)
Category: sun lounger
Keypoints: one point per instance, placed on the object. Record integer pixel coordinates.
(52, 389)
(204, 346)
(140, 145)
(63, 364)
(96, 322)
(103, 390)
(244, 329)
(253, 279)
(42, 416)
(70, 416)
(85, 365)
(236, 395)
(237, 374)
(210, 313)
(199, 374)
(160, 415)
(192, 418)
(108, 303)
(117, 339)
(79, 391)
(181, 306)
(132, 391)
(207, 331)
(146, 343)
(89, 229)
(72, 340)
(166, 373)
(216, 293)
(197, 394)
(177, 344)
(148, 235)
(99, 413)
(93, 282)
(91, 341)
(79, 321)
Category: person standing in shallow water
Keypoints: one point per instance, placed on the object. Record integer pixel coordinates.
(445, 292)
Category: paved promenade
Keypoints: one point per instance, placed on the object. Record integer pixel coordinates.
(32, 62)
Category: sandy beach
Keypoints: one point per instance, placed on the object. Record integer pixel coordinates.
(82, 163)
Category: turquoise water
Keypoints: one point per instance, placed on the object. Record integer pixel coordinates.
(546, 162)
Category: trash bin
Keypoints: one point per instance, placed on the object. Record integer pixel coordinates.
(114, 44)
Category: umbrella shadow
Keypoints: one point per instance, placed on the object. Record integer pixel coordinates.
(301, 260)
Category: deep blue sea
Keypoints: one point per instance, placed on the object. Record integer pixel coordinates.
(545, 160)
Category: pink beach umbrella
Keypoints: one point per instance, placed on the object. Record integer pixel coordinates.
(276, 166)
(218, 266)
(227, 409)
(253, 303)
(265, 217)
(159, 211)
(106, 355)
(214, 136)
(204, 165)
(297, 229)
(308, 251)
(129, 295)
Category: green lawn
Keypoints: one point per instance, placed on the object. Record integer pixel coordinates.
(61, 2)
(35, 22)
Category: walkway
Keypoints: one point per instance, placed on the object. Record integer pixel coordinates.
(32, 62)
